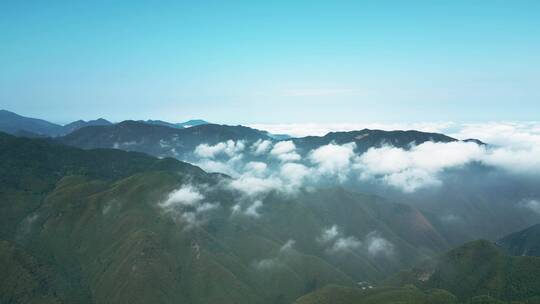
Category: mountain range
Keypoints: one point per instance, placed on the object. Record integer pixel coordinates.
(476, 272)
(117, 229)
(522, 243)
(115, 213)
(15, 124)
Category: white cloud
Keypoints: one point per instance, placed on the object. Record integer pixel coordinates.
(190, 218)
(271, 263)
(187, 195)
(377, 245)
(287, 247)
(517, 150)
(517, 144)
(256, 168)
(258, 181)
(252, 210)
(411, 179)
(333, 159)
(336, 241)
(187, 204)
(210, 165)
(283, 147)
(420, 166)
(206, 207)
(294, 174)
(428, 156)
(286, 157)
(231, 164)
(254, 186)
(518, 135)
(229, 148)
(318, 129)
(515, 160)
(417, 167)
(285, 151)
(345, 244)
(329, 234)
(531, 204)
(261, 147)
(236, 209)
(208, 151)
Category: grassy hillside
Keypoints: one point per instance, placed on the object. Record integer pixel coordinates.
(524, 242)
(25, 279)
(91, 220)
(353, 295)
(88, 226)
(477, 272)
(157, 140)
(477, 268)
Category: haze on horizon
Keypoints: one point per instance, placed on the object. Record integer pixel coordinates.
(269, 63)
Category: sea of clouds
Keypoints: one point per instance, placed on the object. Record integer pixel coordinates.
(264, 166)
(513, 147)
(280, 167)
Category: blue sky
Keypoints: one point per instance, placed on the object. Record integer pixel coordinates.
(271, 61)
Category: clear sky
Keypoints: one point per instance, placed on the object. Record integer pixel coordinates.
(271, 61)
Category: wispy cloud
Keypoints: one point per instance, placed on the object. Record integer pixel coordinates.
(320, 129)
(314, 92)
(531, 204)
(188, 205)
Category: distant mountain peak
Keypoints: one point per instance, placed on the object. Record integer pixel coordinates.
(192, 123)
(181, 125)
(524, 242)
(13, 123)
(73, 126)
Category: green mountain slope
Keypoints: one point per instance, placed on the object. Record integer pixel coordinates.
(477, 268)
(26, 280)
(351, 295)
(524, 242)
(477, 272)
(76, 125)
(157, 140)
(16, 124)
(93, 219)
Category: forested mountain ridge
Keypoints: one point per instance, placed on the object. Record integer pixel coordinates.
(95, 223)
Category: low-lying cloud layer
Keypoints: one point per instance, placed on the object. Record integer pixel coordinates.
(263, 167)
(276, 261)
(512, 147)
(378, 246)
(318, 129)
(417, 167)
(336, 242)
(230, 148)
(285, 151)
(531, 204)
(188, 204)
